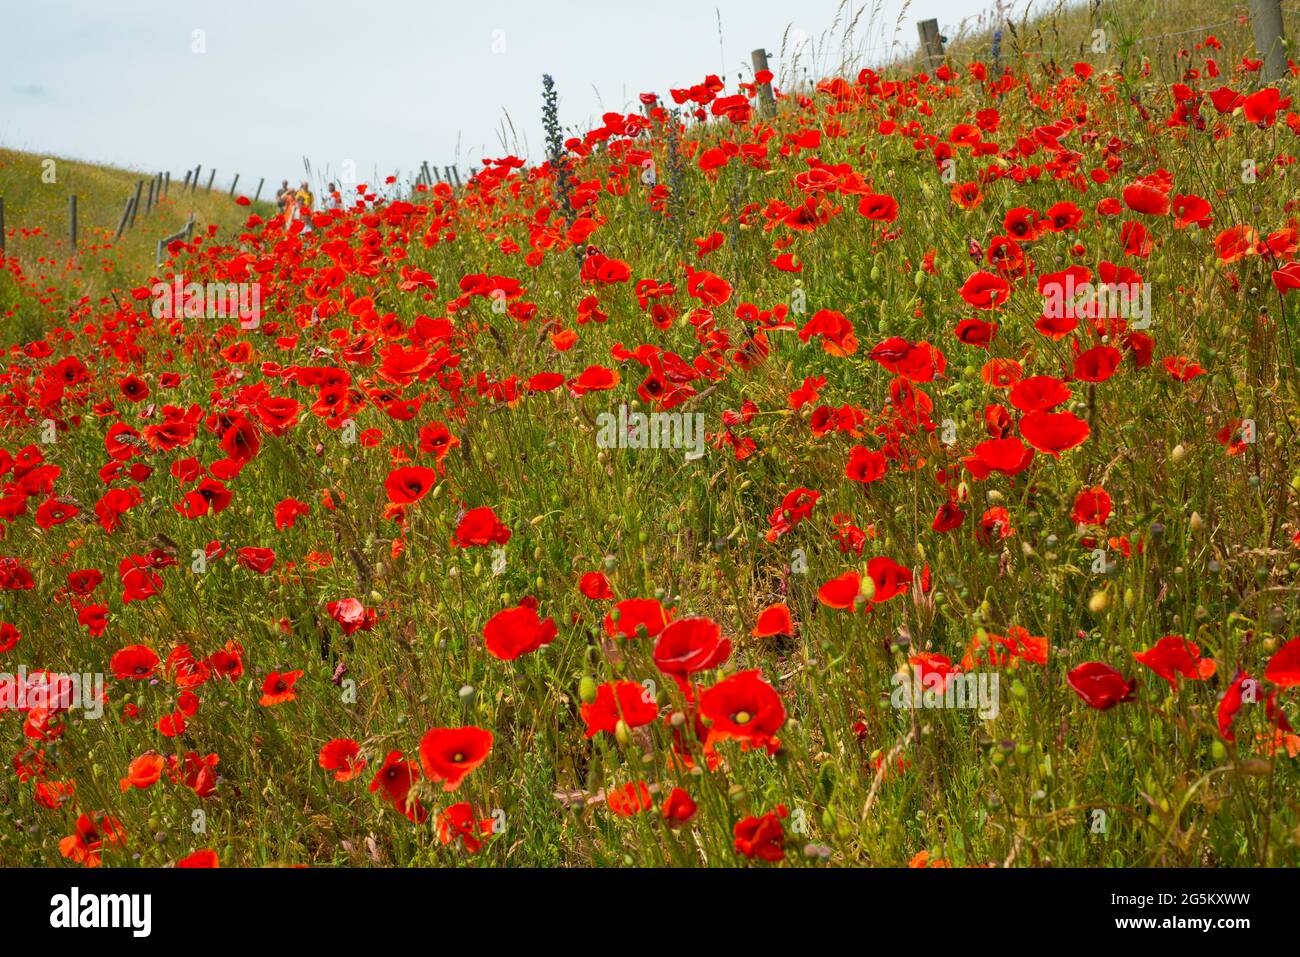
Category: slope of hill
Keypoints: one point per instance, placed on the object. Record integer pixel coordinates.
(910, 477)
(36, 240)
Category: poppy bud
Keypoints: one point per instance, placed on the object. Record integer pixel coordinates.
(587, 689)
(1218, 751)
(1178, 454)
(1195, 524)
(1099, 602)
(622, 733)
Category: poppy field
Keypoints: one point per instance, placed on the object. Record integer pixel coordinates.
(897, 472)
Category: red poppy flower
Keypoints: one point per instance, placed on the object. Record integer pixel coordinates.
(1009, 456)
(626, 701)
(1091, 506)
(841, 592)
(888, 578)
(1143, 197)
(1100, 686)
(351, 615)
(1231, 703)
(1097, 364)
(480, 526)
(1182, 369)
(143, 772)
(690, 645)
(92, 832)
(976, 332)
(202, 858)
(743, 707)
(595, 585)
(880, 208)
(1284, 667)
(277, 688)
(259, 560)
(459, 821)
(632, 798)
(343, 757)
(134, 661)
(984, 290)
(449, 754)
(678, 807)
(637, 618)
(1174, 655)
(1054, 432)
(228, 661)
(1191, 210)
(774, 620)
(396, 778)
(865, 465)
(1038, 393)
(1262, 106)
(410, 483)
(762, 837)
(517, 631)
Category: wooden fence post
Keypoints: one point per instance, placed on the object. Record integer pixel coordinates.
(135, 203)
(148, 198)
(260, 183)
(72, 219)
(211, 176)
(185, 185)
(167, 182)
(1266, 20)
(194, 182)
(424, 166)
(233, 184)
(931, 42)
(766, 99)
(121, 223)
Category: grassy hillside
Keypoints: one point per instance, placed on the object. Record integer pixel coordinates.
(375, 581)
(1164, 33)
(36, 226)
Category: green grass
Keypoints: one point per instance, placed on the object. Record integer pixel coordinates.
(867, 783)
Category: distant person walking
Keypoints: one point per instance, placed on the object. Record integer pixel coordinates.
(332, 199)
(282, 195)
(304, 200)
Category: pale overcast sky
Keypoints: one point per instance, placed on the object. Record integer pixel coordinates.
(384, 83)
